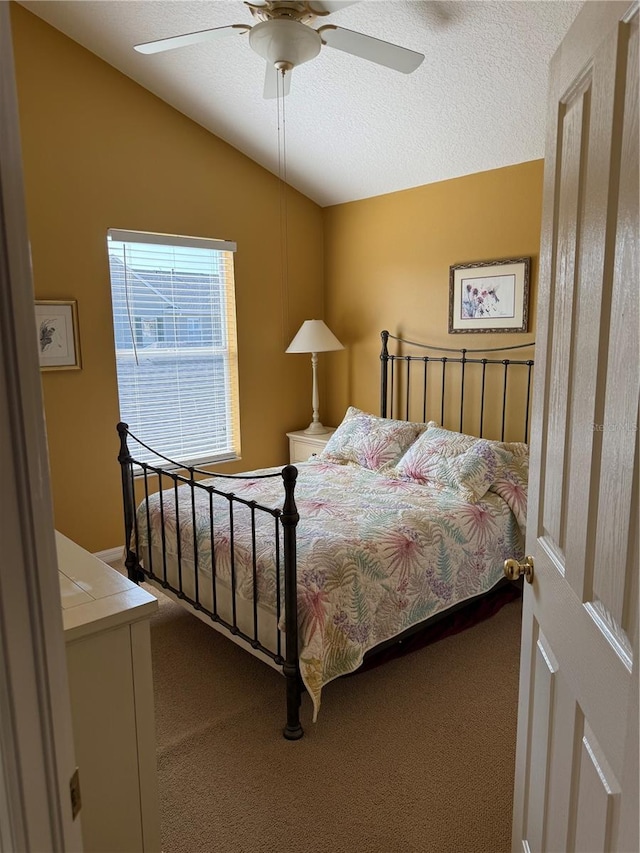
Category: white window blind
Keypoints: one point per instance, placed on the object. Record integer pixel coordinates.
(174, 324)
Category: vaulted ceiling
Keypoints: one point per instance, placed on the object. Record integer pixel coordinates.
(354, 129)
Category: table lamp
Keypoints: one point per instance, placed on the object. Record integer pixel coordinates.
(313, 336)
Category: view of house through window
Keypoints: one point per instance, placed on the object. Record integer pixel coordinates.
(175, 337)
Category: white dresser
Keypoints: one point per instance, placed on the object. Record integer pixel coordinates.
(106, 629)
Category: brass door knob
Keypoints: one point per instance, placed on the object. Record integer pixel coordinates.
(513, 569)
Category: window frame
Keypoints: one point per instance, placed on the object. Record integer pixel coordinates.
(228, 347)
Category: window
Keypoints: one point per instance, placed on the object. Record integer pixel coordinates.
(174, 324)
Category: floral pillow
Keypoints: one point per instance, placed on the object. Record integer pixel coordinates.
(518, 448)
(464, 463)
(511, 483)
(370, 441)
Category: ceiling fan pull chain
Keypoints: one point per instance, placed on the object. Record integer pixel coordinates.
(282, 181)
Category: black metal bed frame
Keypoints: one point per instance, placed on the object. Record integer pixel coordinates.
(285, 519)
(391, 394)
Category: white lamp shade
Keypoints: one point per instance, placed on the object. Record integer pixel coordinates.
(314, 336)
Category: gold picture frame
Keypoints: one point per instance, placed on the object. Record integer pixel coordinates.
(489, 296)
(57, 334)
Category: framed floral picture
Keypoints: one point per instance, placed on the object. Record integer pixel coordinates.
(57, 334)
(489, 296)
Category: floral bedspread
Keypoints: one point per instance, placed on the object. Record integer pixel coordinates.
(376, 554)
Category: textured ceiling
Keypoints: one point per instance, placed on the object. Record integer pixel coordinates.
(353, 129)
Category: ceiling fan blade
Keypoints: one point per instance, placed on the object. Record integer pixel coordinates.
(189, 38)
(273, 80)
(375, 50)
(326, 7)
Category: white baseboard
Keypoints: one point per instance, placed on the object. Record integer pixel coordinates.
(111, 555)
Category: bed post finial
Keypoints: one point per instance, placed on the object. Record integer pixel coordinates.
(384, 360)
(128, 500)
(291, 667)
(123, 431)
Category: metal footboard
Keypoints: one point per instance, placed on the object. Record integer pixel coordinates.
(146, 558)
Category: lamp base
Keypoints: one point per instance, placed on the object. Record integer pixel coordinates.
(316, 428)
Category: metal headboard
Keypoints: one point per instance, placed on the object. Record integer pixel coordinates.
(485, 388)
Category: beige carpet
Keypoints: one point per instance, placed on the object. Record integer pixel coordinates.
(415, 755)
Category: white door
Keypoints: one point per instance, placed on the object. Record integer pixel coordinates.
(577, 752)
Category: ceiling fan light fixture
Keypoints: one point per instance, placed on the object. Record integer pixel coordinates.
(284, 42)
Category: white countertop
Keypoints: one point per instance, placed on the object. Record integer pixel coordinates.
(94, 596)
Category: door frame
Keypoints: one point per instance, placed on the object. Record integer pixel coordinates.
(36, 739)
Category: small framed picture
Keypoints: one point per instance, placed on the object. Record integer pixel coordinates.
(489, 296)
(57, 333)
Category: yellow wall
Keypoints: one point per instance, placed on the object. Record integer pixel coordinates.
(101, 152)
(387, 265)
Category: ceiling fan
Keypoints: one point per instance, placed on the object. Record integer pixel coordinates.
(285, 37)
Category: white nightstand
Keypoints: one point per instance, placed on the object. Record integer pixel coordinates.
(302, 446)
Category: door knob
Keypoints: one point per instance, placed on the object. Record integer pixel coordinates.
(513, 569)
